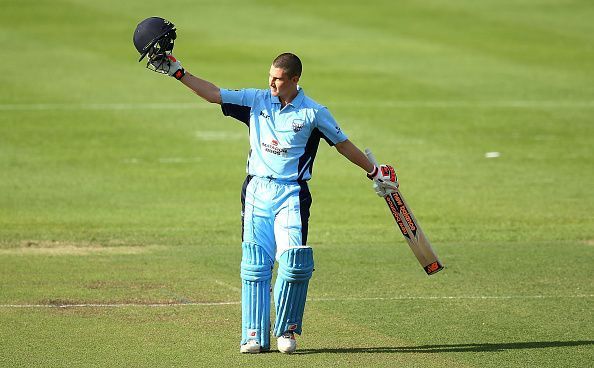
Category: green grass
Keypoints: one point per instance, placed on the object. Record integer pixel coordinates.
(134, 206)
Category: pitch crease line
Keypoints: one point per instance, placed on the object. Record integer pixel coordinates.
(101, 106)
(477, 297)
(157, 305)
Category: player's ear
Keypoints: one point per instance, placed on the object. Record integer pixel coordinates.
(295, 79)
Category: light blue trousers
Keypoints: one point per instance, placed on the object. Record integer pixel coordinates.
(274, 217)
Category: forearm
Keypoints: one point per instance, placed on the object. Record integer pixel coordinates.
(354, 154)
(202, 88)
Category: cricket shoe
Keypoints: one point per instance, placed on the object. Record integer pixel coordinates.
(250, 347)
(287, 343)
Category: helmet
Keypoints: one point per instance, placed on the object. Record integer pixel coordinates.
(154, 36)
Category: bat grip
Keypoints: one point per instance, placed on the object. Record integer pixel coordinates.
(371, 157)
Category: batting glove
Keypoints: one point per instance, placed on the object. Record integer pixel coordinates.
(384, 179)
(168, 65)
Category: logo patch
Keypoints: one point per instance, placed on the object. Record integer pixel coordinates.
(298, 125)
(264, 115)
(293, 327)
(252, 333)
(433, 267)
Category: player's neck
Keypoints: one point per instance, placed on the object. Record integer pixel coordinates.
(285, 100)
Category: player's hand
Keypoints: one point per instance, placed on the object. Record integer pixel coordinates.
(384, 179)
(168, 64)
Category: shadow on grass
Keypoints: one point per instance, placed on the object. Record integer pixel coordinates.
(454, 348)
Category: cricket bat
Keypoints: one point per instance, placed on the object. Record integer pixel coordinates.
(409, 226)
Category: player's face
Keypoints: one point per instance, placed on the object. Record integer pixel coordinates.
(280, 83)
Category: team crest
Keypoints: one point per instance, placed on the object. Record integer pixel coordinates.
(298, 125)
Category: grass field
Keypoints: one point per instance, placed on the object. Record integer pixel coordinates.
(119, 189)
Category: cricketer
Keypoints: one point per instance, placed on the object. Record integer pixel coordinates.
(285, 128)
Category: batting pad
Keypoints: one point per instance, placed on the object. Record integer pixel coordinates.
(295, 267)
(256, 273)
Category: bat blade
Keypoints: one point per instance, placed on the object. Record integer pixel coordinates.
(414, 235)
(410, 229)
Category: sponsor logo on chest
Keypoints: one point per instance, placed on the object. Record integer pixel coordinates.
(274, 148)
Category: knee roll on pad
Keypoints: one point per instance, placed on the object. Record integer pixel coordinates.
(295, 267)
(256, 273)
(256, 265)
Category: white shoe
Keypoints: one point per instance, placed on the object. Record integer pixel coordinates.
(250, 347)
(287, 343)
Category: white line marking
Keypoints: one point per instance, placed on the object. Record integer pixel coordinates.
(153, 305)
(471, 104)
(115, 305)
(469, 297)
(218, 135)
(492, 154)
(395, 104)
(102, 106)
(179, 160)
(164, 160)
(230, 287)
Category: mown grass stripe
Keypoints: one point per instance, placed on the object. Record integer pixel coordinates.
(525, 104)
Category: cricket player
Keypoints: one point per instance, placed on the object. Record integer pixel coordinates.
(285, 127)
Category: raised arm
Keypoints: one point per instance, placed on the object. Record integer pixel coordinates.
(202, 88)
(205, 89)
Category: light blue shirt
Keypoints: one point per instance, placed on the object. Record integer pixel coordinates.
(283, 141)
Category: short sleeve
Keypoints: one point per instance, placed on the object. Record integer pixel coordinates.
(238, 103)
(241, 97)
(329, 127)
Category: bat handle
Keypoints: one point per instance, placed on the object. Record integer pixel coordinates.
(371, 157)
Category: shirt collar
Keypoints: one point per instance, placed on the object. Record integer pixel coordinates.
(299, 98)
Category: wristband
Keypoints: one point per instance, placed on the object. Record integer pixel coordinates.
(179, 74)
(373, 172)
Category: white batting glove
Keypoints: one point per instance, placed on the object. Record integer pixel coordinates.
(384, 179)
(169, 65)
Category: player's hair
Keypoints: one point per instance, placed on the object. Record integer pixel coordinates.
(290, 63)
